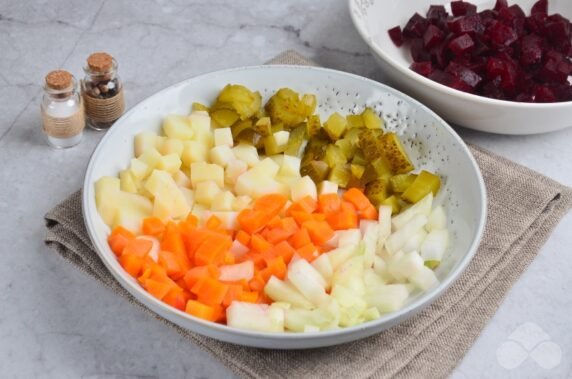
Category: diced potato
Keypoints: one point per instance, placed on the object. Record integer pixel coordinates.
(161, 183)
(128, 183)
(199, 210)
(233, 170)
(107, 191)
(223, 201)
(290, 166)
(326, 187)
(223, 136)
(241, 202)
(246, 153)
(151, 158)
(302, 188)
(266, 167)
(288, 180)
(177, 126)
(170, 163)
(172, 146)
(188, 195)
(276, 143)
(193, 151)
(205, 172)
(268, 186)
(200, 122)
(160, 143)
(182, 179)
(221, 155)
(131, 211)
(139, 169)
(163, 204)
(144, 141)
(206, 192)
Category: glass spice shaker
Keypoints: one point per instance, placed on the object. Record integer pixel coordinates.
(63, 116)
(102, 91)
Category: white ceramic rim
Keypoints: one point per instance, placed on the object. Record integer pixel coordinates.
(438, 86)
(418, 304)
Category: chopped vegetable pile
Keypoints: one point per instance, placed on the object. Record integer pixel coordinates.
(263, 219)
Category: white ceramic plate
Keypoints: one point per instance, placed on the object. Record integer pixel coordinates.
(431, 143)
(372, 19)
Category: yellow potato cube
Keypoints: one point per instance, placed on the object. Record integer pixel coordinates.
(246, 153)
(188, 195)
(206, 192)
(172, 146)
(182, 179)
(193, 151)
(107, 191)
(163, 204)
(221, 155)
(139, 169)
(223, 201)
(177, 126)
(223, 137)
(144, 141)
(233, 170)
(127, 182)
(241, 202)
(198, 211)
(270, 186)
(290, 166)
(205, 172)
(170, 163)
(302, 188)
(151, 158)
(266, 167)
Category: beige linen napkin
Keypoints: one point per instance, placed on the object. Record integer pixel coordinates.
(524, 207)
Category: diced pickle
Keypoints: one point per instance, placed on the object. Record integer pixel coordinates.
(315, 150)
(199, 107)
(357, 170)
(277, 127)
(240, 99)
(336, 126)
(286, 107)
(359, 158)
(263, 126)
(347, 147)
(248, 136)
(399, 183)
(424, 183)
(371, 120)
(379, 168)
(334, 156)
(297, 141)
(238, 128)
(272, 147)
(376, 191)
(355, 182)
(340, 174)
(355, 121)
(316, 170)
(395, 153)
(308, 104)
(432, 264)
(353, 135)
(313, 125)
(224, 118)
(392, 201)
(371, 144)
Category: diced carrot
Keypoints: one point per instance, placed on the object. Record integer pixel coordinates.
(348, 207)
(243, 237)
(300, 216)
(172, 264)
(172, 240)
(289, 224)
(357, 198)
(159, 289)
(181, 283)
(210, 291)
(342, 220)
(369, 213)
(234, 291)
(306, 204)
(329, 202)
(131, 263)
(192, 219)
(277, 267)
(201, 310)
(252, 221)
(153, 226)
(193, 275)
(213, 223)
(318, 216)
(264, 233)
(320, 231)
(176, 298)
(119, 238)
(248, 296)
(229, 258)
(300, 238)
(138, 247)
(274, 222)
(212, 250)
(259, 244)
(277, 235)
(196, 237)
(257, 283)
(152, 270)
(284, 250)
(308, 252)
(272, 204)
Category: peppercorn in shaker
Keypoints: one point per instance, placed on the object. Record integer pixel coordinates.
(103, 91)
(63, 117)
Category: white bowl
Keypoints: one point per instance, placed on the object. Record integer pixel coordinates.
(373, 18)
(431, 143)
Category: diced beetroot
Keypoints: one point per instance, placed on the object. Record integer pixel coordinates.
(500, 4)
(540, 7)
(436, 14)
(418, 51)
(524, 97)
(535, 23)
(555, 69)
(490, 89)
(462, 44)
(557, 28)
(500, 68)
(488, 14)
(461, 8)
(502, 35)
(471, 78)
(514, 17)
(449, 80)
(543, 94)
(466, 24)
(416, 26)
(439, 55)
(396, 35)
(531, 50)
(433, 36)
(423, 68)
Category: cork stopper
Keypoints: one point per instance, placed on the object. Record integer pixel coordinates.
(100, 62)
(59, 79)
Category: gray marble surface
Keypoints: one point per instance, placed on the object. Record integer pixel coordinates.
(55, 322)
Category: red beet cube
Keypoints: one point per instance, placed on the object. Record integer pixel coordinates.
(418, 51)
(396, 35)
(555, 69)
(416, 26)
(505, 70)
(437, 13)
(500, 4)
(471, 78)
(466, 24)
(423, 68)
(461, 8)
(502, 35)
(439, 54)
(543, 94)
(433, 36)
(462, 44)
(531, 50)
(514, 17)
(557, 28)
(540, 7)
